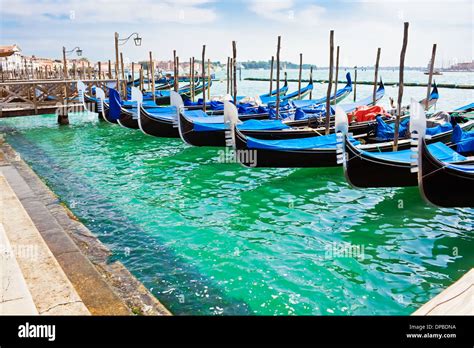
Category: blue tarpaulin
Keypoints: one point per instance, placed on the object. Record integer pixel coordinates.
(463, 139)
(318, 142)
(439, 150)
(386, 131)
(114, 104)
(262, 125)
(168, 112)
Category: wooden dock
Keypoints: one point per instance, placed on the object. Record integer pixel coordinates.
(458, 299)
(35, 97)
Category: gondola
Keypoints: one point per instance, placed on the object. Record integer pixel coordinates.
(217, 107)
(309, 152)
(161, 122)
(163, 97)
(300, 94)
(365, 168)
(127, 118)
(314, 125)
(319, 151)
(433, 98)
(283, 91)
(205, 131)
(102, 106)
(334, 98)
(199, 130)
(445, 184)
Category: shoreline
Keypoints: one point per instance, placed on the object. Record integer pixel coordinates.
(106, 288)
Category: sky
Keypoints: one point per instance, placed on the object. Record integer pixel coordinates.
(42, 27)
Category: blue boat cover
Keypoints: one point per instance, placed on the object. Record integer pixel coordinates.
(445, 127)
(286, 111)
(434, 93)
(311, 112)
(272, 99)
(368, 101)
(463, 139)
(469, 168)
(386, 131)
(465, 107)
(198, 113)
(466, 146)
(283, 91)
(262, 125)
(208, 127)
(211, 105)
(168, 112)
(439, 150)
(114, 104)
(318, 142)
(146, 104)
(250, 109)
(339, 93)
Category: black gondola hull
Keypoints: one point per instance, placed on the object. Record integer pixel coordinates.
(264, 158)
(206, 138)
(128, 120)
(157, 127)
(363, 171)
(444, 186)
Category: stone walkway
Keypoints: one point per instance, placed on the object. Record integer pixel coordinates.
(32, 280)
(458, 299)
(59, 265)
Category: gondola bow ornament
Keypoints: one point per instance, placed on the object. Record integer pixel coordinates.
(341, 129)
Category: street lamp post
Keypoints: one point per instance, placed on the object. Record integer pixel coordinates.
(138, 41)
(79, 53)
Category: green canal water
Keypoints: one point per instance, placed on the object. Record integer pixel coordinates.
(216, 238)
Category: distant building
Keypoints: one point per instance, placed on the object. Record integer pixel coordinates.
(466, 66)
(11, 57)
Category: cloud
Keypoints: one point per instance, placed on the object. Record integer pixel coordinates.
(287, 11)
(360, 27)
(114, 11)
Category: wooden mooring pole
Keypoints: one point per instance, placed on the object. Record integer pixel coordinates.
(355, 82)
(328, 95)
(271, 76)
(152, 72)
(203, 76)
(228, 75)
(192, 81)
(430, 77)
(277, 110)
(117, 76)
(124, 82)
(208, 79)
(234, 54)
(337, 74)
(141, 78)
(400, 86)
(175, 73)
(376, 76)
(299, 75)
